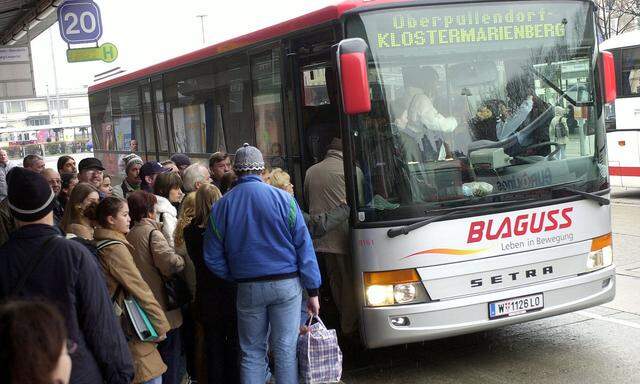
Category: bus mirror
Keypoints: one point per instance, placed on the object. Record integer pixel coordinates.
(609, 76)
(354, 82)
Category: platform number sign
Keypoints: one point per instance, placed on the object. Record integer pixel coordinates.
(79, 22)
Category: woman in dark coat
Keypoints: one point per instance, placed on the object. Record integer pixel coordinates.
(215, 298)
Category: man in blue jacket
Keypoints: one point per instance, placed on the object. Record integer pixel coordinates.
(37, 262)
(257, 237)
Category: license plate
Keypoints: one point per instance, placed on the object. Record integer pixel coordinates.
(516, 306)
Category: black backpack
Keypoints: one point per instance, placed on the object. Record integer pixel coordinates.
(90, 245)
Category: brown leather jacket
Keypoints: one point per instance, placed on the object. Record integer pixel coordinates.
(120, 269)
(155, 261)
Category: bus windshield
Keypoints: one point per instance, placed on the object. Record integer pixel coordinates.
(476, 103)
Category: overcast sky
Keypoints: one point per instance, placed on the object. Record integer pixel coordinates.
(149, 31)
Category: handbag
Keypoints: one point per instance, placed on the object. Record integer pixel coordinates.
(177, 290)
(319, 355)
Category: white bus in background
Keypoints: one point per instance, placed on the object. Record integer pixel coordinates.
(623, 120)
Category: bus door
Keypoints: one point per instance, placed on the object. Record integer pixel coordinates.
(316, 108)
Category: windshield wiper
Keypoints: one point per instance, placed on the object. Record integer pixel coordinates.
(405, 230)
(562, 93)
(591, 196)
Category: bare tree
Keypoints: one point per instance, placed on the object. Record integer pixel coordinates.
(617, 16)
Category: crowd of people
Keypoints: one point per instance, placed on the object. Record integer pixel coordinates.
(221, 261)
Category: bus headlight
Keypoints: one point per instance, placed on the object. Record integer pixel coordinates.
(404, 293)
(378, 295)
(393, 288)
(601, 254)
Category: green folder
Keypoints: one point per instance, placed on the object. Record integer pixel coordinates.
(141, 323)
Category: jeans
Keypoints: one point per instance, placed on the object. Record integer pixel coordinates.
(157, 380)
(562, 152)
(262, 305)
(171, 351)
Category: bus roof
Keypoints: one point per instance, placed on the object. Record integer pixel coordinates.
(321, 16)
(628, 39)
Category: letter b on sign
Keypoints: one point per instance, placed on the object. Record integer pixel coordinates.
(476, 230)
(79, 21)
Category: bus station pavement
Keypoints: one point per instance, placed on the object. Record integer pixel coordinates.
(597, 345)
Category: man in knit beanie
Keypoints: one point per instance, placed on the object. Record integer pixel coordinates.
(38, 262)
(257, 238)
(131, 182)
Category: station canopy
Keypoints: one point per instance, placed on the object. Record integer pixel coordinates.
(19, 16)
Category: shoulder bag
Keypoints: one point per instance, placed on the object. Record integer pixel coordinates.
(177, 290)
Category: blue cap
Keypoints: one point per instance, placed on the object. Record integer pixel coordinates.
(151, 168)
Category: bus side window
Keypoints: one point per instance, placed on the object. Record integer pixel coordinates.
(101, 121)
(233, 94)
(630, 72)
(189, 94)
(267, 106)
(125, 108)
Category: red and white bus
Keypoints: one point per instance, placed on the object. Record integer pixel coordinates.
(623, 125)
(483, 203)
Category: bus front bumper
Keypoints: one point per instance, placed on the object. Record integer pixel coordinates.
(453, 317)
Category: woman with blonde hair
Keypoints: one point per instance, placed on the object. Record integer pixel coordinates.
(190, 331)
(318, 224)
(74, 220)
(215, 298)
(187, 212)
(281, 180)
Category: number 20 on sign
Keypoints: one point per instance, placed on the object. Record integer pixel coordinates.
(80, 22)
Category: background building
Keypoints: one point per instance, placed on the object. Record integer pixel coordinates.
(46, 125)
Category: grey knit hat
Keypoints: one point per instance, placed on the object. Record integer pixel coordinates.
(248, 158)
(131, 160)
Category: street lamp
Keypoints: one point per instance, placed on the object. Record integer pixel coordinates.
(202, 17)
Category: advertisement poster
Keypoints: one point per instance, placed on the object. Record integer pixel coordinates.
(123, 133)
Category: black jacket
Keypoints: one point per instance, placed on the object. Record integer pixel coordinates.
(70, 278)
(215, 297)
